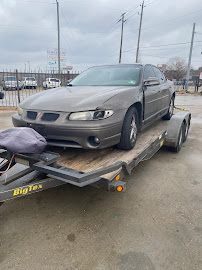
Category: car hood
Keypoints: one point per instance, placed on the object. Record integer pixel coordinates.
(71, 99)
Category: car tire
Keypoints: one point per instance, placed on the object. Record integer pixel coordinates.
(129, 130)
(170, 109)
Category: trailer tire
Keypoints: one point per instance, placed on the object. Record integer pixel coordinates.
(180, 139)
(170, 109)
(186, 130)
(129, 130)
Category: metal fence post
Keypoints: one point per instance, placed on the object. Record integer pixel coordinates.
(18, 86)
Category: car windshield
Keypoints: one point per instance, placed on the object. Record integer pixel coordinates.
(110, 76)
(10, 78)
(30, 79)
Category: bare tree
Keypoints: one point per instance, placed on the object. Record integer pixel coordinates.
(176, 68)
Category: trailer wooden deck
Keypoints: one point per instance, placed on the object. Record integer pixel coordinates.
(90, 160)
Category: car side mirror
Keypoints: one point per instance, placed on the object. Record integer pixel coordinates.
(151, 81)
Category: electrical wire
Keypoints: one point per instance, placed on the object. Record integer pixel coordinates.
(8, 165)
(173, 19)
(101, 35)
(163, 45)
(66, 22)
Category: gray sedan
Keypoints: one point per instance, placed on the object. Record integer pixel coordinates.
(103, 106)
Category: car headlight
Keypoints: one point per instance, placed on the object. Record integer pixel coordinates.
(20, 111)
(90, 115)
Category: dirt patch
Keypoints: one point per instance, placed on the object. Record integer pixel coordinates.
(8, 108)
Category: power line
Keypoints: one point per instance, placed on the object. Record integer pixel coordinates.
(101, 35)
(66, 22)
(154, 46)
(151, 3)
(173, 19)
(38, 2)
(88, 4)
(31, 27)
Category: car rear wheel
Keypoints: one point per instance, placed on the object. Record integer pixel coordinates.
(170, 109)
(129, 130)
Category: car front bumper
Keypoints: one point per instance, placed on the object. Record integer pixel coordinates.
(77, 134)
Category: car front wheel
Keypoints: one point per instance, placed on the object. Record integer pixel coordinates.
(129, 130)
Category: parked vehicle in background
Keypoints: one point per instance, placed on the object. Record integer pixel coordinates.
(51, 83)
(10, 83)
(103, 106)
(29, 82)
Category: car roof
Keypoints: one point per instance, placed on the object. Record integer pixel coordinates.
(116, 65)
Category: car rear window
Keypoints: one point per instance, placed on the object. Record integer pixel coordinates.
(54, 80)
(10, 78)
(30, 79)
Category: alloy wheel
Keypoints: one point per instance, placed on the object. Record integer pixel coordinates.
(133, 130)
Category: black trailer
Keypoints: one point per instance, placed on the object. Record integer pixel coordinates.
(29, 173)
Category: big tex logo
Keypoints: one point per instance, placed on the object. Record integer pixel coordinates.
(24, 191)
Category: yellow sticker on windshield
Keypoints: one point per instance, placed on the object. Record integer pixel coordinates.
(133, 82)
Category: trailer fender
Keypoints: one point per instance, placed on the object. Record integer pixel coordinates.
(174, 127)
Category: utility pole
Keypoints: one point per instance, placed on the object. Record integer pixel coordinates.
(29, 66)
(138, 42)
(190, 55)
(58, 23)
(122, 20)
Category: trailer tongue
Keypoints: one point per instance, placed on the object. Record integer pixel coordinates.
(105, 168)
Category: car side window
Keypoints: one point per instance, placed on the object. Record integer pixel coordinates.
(148, 72)
(159, 74)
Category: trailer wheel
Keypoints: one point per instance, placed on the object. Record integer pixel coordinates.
(186, 130)
(129, 130)
(170, 109)
(180, 140)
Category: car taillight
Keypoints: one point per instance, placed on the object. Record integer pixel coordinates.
(49, 82)
(36, 81)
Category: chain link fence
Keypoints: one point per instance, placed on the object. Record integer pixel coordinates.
(16, 86)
